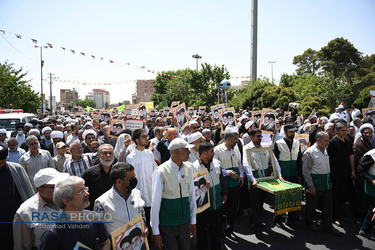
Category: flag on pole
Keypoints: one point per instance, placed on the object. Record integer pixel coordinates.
(73, 51)
(18, 36)
(111, 61)
(34, 41)
(3, 31)
(93, 56)
(50, 45)
(82, 53)
(63, 48)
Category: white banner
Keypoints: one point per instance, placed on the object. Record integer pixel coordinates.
(133, 124)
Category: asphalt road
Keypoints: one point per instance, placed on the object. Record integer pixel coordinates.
(301, 238)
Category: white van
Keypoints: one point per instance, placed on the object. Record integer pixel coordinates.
(9, 118)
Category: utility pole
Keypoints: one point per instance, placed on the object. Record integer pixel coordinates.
(74, 97)
(272, 62)
(254, 40)
(41, 73)
(51, 78)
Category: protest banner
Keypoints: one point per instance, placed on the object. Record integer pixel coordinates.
(133, 124)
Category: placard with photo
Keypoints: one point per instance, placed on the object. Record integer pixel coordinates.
(215, 112)
(299, 121)
(201, 192)
(117, 126)
(181, 116)
(262, 163)
(268, 121)
(303, 141)
(142, 111)
(369, 113)
(191, 111)
(256, 115)
(130, 235)
(173, 106)
(105, 116)
(227, 117)
(201, 110)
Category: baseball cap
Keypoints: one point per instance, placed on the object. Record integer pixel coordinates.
(48, 176)
(179, 143)
(61, 145)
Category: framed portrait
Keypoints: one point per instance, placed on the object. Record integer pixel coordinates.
(369, 113)
(173, 105)
(299, 121)
(166, 112)
(256, 115)
(202, 194)
(191, 111)
(201, 110)
(142, 112)
(105, 116)
(215, 112)
(181, 116)
(153, 112)
(268, 121)
(117, 126)
(287, 113)
(303, 141)
(262, 163)
(130, 235)
(227, 117)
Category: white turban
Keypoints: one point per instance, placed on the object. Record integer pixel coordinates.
(88, 132)
(57, 134)
(366, 125)
(34, 130)
(46, 129)
(193, 137)
(3, 131)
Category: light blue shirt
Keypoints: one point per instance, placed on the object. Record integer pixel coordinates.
(16, 155)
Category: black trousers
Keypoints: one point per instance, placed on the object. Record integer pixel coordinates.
(257, 199)
(176, 237)
(232, 204)
(324, 199)
(209, 221)
(340, 194)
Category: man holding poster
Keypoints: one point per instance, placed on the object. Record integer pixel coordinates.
(218, 196)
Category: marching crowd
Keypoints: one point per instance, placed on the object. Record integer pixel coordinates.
(72, 163)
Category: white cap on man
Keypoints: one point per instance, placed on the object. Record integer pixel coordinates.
(48, 176)
(179, 143)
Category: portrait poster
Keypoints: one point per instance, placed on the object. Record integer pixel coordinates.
(130, 235)
(215, 112)
(299, 121)
(173, 105)
(191, 111)
(256, 115)
(161, 112)
(117, 126)
(202, 194)
(133, 124)
(268, 121)
(166, 112)
(181, 116)
(262, 163)
(105, 116)
(227, 117)
(369, 113)
(287, 113)
(201, 110)
(153, 112)
(142, 111)
(303, 141)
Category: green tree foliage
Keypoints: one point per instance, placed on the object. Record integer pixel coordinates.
(307, 62)
(15, 92)
(86, 103)
(364, 97)
(195, 88)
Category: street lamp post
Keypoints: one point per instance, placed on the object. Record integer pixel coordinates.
(197, 57)
(41, 73)
(272, 62)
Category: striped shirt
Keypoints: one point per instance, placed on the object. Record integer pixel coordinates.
(77, 168)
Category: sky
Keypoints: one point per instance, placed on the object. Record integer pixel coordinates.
(163, 35)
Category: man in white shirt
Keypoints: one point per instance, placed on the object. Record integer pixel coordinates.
(144, 165)
(173, 209)
(155, 141)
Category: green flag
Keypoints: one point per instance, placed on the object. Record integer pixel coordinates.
(164, 103)
(120, 108)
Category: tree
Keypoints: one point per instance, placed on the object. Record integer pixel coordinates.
(86, 103)
(307, 62)
(15, 92)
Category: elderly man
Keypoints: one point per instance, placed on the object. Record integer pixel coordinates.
(79, 161)
(164, 144)
(61, 156)
(144, 165)
(173, 209)
(207, 133)
(15, 189)
(194, 139)
(14, 153)
(46, 132)
(316, 173)
(97, 177)
(123, 196)
(56, 136)
(71, 196)
(27, 235)
(90, 144)
(210, 219)
(35, 159)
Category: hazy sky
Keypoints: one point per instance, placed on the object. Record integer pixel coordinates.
(163, 35)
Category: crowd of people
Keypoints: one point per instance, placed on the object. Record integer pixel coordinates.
(74, 164)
